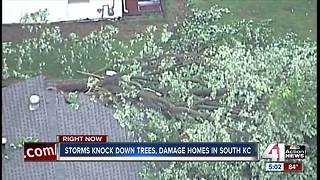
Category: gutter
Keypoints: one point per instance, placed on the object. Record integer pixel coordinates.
(124, 6)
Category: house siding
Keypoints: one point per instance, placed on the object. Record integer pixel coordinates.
(59, 10)
(132, 6)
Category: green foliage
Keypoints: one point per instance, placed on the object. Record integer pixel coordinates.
(55, 56)
(21, 142)
(252, 66)
(92, 82)
(39, 16)
(33, 21)
(293, 106)
(19, 145)
(6, 157)
(72, 98)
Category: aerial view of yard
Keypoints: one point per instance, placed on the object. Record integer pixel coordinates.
(287, 16)
(174, 71)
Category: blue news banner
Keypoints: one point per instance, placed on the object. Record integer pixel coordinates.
(157, 151)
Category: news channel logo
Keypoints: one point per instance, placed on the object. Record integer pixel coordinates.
(282, 152)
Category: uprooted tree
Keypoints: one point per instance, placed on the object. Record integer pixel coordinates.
(203, 81)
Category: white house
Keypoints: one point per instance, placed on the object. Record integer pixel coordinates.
(63, 10)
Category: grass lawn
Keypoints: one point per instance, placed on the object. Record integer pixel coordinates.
(299, 16)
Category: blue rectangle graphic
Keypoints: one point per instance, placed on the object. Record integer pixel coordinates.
(159, 150)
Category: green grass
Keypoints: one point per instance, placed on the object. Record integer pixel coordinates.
(303, 19)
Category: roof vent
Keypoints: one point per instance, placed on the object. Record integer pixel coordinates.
(4, 141)
(34, 102)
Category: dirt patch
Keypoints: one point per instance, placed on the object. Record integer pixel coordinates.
(15, 33)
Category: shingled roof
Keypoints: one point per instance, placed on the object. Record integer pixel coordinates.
(54, 117)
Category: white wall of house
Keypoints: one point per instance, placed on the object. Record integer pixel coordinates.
(59, 10)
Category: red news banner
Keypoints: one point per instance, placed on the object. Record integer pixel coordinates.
(48, 151)
(82, 138)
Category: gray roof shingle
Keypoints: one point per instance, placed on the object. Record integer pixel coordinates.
(56, 117)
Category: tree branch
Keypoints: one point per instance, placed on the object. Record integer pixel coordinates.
(91, 74)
